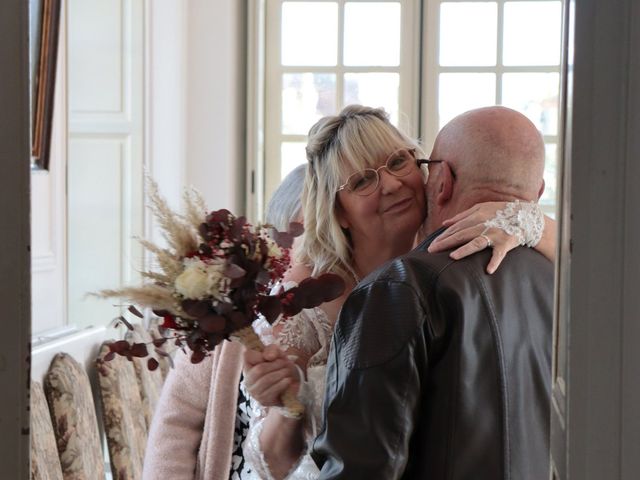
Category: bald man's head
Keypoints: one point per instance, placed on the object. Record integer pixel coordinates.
(491, 153)
(495, 148)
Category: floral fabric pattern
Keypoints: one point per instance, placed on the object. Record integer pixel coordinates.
(123, 414)
(45, 463)
(73, 415)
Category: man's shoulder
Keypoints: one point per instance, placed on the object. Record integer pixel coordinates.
(401, 269)
(379, 318)
(422, 269)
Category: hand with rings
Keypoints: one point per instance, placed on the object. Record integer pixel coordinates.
(486, 237)
(467, 232)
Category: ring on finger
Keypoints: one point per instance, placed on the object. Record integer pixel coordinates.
(489, 242)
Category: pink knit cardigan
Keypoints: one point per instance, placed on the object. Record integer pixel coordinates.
(191, 436)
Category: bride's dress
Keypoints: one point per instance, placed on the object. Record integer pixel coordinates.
(309, 331)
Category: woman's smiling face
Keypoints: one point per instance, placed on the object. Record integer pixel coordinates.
(384, 222)
(355, 223)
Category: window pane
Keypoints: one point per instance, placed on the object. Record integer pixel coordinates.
(468, 33)
(550, 176)
(535, 95)
(372, 33)
(309, 33)
(373, 90)
(460, 92)
(305, 98)
(292, 154)
(532, 33)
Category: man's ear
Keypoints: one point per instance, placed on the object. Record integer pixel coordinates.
(541, 191)
(444, 185)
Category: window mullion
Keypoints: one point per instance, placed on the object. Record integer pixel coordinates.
(499, 52)
(293, 137)
(340, 70)
(500, 68)
(273, 102)
(430, 72)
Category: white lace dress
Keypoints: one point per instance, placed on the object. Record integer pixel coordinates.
(309, 331)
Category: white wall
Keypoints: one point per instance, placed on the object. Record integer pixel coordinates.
(166, 95)
(192, 99)
(193, 122)
(195, 100)
(48, 233)
(105, 153)
(216, 52)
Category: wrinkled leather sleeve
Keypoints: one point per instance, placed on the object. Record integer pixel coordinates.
(373, 383)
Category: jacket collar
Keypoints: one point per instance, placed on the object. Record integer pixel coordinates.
(422, 246)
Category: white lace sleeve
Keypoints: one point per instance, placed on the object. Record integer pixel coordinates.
(304, 469)
(522, 220)
(309, 331)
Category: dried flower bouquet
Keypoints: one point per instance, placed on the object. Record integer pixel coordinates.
(213, 279)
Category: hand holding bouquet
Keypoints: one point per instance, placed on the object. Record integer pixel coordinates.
(215, 277)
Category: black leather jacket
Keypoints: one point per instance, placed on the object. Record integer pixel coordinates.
(440, 371)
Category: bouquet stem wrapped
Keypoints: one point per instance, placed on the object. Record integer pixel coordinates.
(250, 339)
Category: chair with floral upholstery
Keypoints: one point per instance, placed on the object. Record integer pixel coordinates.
(73, 416)
(45, 463)
(123, 414)
(149, 381)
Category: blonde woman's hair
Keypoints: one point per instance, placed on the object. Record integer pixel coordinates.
(359, 137)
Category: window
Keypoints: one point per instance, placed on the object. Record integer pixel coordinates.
(504, 52)
(424, 64)
(323, 55)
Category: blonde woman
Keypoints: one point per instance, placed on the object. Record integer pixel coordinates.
(363, 204)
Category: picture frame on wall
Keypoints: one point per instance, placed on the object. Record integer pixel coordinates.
(44, 30)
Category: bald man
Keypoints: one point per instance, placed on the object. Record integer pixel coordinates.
(439, 370)
(488, 154)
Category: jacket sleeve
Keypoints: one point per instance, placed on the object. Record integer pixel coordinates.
(375, 370)
(178, 422)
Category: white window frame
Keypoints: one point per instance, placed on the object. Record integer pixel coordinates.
(264, 109)
(430, 120)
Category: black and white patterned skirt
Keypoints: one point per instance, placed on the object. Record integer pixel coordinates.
(243, 415)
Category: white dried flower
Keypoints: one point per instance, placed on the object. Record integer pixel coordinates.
(274, 250)
(201, 280)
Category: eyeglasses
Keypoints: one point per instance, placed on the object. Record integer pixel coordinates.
(399, 164)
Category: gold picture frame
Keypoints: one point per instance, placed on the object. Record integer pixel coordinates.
(45, 30)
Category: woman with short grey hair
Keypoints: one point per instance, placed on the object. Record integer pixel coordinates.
(285, 203)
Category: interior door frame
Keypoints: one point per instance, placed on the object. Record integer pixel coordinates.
(15, 257)
(596, 419)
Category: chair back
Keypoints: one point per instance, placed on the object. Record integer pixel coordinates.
(45, 463)
(123, 415)
(73, 416)
(149, 381)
